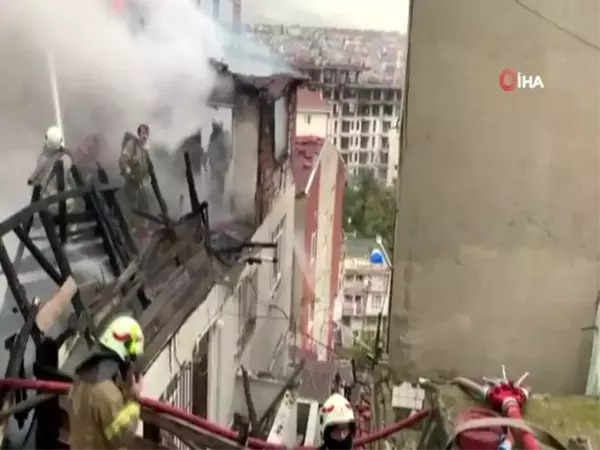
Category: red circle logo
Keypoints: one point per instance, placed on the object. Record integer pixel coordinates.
(508, 80)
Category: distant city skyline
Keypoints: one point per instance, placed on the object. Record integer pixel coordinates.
(389, 15)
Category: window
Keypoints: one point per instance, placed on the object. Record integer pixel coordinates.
(364, 126)
(247, 297)
(377, 302)
(335, 109)
(386, 126)
(385, 142)
(281, 128)
(277, 238)
(345, 126)
(363, 157)
(348, 298)
(307, 119)
(388, 110)
(335, 126)
(375, 110)
(384, 157)
(313, 246)
(345, 143)
(335, 142)
(345, 158)
(364, 142)
(349, 278)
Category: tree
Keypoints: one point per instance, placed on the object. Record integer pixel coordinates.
(370, 209)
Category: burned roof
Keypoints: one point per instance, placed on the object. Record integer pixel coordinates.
(159, 280)
(255, 68)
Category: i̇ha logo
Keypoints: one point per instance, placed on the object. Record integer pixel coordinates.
(511, 79)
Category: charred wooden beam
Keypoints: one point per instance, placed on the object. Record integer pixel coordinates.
(254, 424)
(26, 213)
(157, 193)
(47, 413)
(36, 194)
(92, 205)
(18, 347)
(59, 169)
(189, 176)
(118, 212)
(15, 362)
(38, 255)
(103, 213)
(17, 290)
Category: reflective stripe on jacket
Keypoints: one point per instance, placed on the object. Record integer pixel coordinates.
(101, 417)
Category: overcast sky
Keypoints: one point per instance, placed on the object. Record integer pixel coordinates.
(372, 14)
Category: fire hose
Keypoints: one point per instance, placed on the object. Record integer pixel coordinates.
(58, 388)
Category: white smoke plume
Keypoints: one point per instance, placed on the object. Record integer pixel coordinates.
(113, 74)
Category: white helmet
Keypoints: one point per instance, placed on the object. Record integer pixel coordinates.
(125, 337)
(54, 138)
(336, 411)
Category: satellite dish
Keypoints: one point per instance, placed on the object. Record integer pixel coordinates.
(377, 257)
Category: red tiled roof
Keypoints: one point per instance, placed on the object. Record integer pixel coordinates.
(311, 100)
(304, 159)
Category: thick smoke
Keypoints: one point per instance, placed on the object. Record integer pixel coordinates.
(113, 73)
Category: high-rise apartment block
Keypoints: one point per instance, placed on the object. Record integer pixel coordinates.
(360, 73)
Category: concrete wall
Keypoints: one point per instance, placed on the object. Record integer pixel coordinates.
(219, 315)
(274, 298)
(497, 234)
(312, 123)
(328, 161)
(337, 268)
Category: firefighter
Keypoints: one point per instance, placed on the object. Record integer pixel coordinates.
(104, 398)
(338, 423)
(219, 157)
(52, 150)
(134, 164)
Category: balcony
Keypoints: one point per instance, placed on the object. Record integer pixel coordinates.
(353, 309)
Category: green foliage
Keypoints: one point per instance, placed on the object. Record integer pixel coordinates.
(361, 354)
(370, 209)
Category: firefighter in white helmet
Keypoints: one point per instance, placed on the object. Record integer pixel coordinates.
(52, 150)
(54, 139)
(338, 423)
(105, 409)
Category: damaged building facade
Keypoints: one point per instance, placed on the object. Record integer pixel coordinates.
(244, 319)
(221, 297)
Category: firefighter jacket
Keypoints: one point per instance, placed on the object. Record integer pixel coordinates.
(219, 150)
(134, 161)
(102, 414)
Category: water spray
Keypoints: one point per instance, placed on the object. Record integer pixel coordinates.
(55, 92)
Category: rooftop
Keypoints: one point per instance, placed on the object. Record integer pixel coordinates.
(362, 247)
(380, 55)
(311, 100)
(305, 157)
